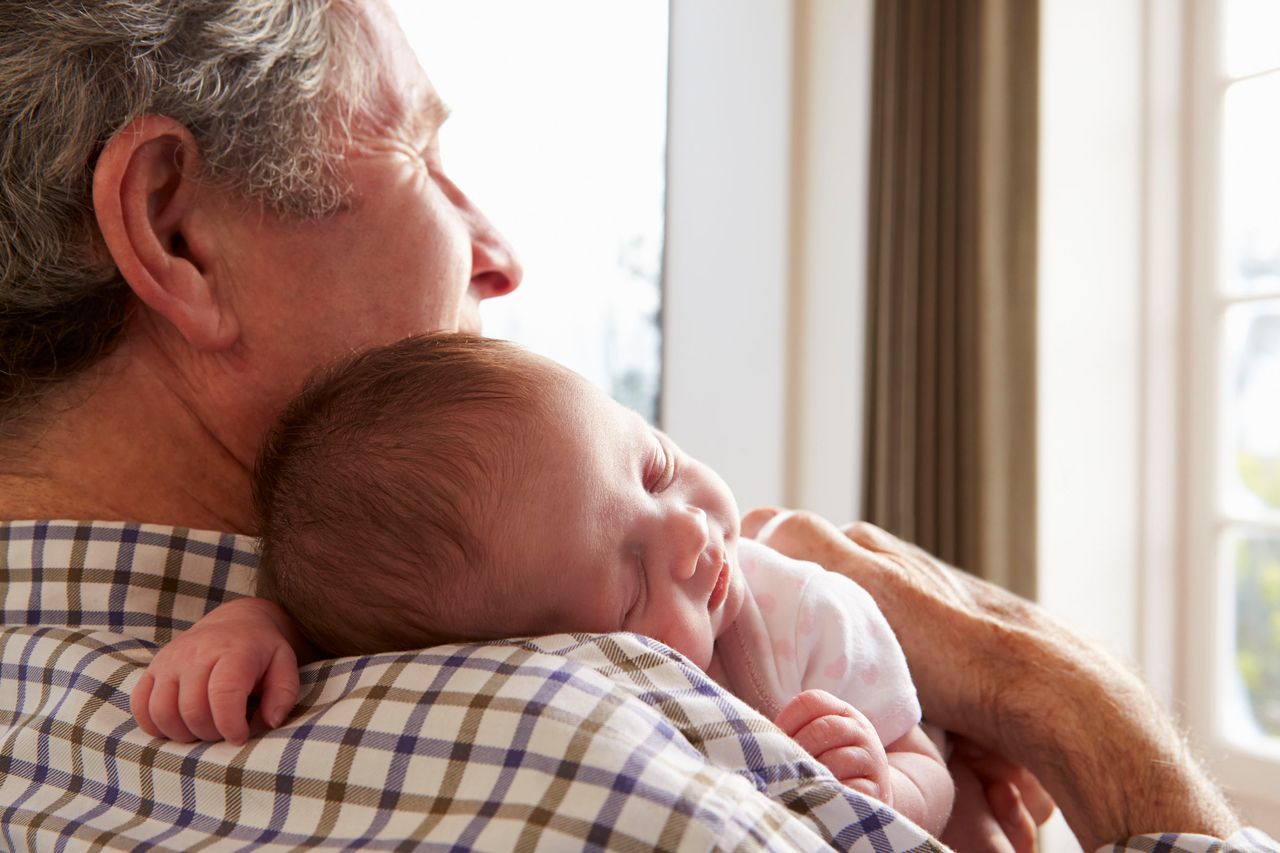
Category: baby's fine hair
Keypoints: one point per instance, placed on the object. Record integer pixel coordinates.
(378, 488)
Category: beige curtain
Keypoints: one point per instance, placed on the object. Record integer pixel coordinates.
(950, 451)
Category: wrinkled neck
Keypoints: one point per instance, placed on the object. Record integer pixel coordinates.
(124, 442)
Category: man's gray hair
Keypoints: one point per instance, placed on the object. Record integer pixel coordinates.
(268, 88)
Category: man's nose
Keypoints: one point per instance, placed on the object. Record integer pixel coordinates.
(689, 539)
(495, 271)
(494, 268)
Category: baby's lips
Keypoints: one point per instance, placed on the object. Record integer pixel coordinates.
(710, 561)
(721, 587)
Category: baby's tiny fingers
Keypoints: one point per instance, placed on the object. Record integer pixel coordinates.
(139, 699)
(864, 785)
(832, 732)
(164, 711)
(856, 762)
(228, 692)
(193, 703)
(805, 707)
(280, 686)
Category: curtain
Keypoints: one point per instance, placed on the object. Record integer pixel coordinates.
(950, 440)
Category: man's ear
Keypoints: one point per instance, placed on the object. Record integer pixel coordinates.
(144, 192)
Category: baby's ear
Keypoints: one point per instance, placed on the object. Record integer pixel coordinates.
(146, 194)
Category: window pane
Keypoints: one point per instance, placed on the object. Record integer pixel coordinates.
(1250, 260)
(558, 133)
(1252, 386)
(1249, 42)
(1256, 558)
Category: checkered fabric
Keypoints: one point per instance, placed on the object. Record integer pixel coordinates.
(1245, 840)
(561, 742)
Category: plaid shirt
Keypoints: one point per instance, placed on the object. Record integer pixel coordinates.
(568, 741)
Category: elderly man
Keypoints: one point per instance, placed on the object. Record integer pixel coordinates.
(200, 202)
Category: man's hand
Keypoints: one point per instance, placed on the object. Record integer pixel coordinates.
(999, 669)
(198, 686)
(842, 739)
(998, 804)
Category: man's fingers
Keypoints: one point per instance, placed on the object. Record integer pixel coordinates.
(991, 767)
(756, 519)
(139, 699)
(805, 536)
(1034, 796)
(279, 686)
(1012, 815)
(972, 828)
(1031, 793)
(869, 536)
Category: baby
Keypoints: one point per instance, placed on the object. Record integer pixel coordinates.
(455, 488)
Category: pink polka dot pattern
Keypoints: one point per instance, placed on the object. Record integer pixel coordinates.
(836, 668)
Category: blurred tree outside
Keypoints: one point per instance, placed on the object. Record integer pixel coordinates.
(1257, 561)
(1261, 475)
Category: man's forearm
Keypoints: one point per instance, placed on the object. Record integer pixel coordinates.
(1002, 671)
(1085, 725)
(1111, 758)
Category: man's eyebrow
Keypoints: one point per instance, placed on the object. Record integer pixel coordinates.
(431, 112)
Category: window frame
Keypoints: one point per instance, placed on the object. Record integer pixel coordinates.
(1251, 776)
(1125, 150)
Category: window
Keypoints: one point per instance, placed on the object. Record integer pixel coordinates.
(1234, 494)
(559, 134)
(1157, 363)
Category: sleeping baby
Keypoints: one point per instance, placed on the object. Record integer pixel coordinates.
(453, 488)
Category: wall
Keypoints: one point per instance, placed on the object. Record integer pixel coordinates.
(765, 250)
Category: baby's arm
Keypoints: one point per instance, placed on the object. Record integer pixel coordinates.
(921, 783)
(198, 686)
(910, 775)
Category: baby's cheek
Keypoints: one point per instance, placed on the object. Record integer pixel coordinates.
(701, 640)
(733, 602)
(697, 644)
(684, 634)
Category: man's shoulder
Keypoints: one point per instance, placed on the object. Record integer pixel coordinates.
(582, 741)
(602, 741)
(148, 580)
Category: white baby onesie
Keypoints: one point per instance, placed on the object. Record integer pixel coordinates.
(801, 628)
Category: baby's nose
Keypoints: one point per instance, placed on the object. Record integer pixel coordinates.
(694, 536)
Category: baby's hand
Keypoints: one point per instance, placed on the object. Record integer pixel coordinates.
(198, 686)
(842, 738)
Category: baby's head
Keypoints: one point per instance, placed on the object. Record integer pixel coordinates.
(451, 487)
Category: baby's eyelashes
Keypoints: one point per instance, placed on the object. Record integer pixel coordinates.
(664, 468)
